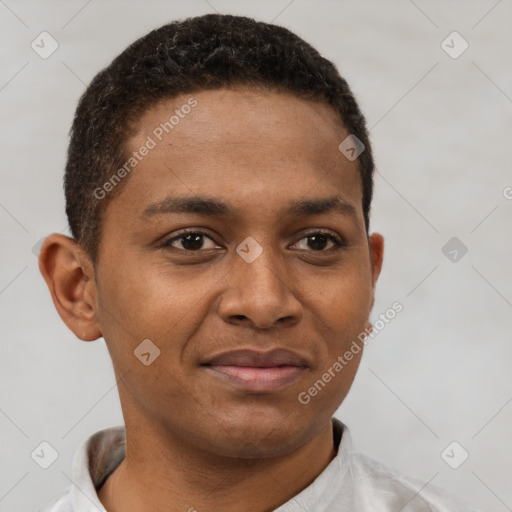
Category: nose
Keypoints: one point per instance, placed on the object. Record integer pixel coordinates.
(259, 294)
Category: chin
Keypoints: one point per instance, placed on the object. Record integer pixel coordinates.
(258, 436)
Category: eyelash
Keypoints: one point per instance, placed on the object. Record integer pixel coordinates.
(337, 241)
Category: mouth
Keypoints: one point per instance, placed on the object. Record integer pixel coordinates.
(255, 371)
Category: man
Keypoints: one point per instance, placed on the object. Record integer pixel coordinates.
(218, 189)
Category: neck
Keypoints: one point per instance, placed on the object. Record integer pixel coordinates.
(163, 472)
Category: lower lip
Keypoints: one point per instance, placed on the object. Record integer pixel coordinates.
(259, 379)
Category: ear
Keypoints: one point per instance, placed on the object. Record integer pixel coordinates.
(376, 246)
(69, 275)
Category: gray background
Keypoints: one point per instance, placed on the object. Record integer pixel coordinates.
(440, 126)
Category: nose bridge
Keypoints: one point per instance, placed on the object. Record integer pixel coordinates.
(261, 274)
(258, 287)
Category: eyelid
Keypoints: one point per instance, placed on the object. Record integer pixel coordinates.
(338, 241)
(184, 232)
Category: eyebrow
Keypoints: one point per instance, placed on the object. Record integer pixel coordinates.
(216, 208)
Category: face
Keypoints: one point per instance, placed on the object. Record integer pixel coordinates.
(270, 258)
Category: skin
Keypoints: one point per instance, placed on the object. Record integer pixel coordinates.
(194, 440)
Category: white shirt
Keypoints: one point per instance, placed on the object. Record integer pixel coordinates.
(350, 483)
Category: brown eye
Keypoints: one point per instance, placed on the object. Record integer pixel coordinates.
(192, 241)
(319, 242)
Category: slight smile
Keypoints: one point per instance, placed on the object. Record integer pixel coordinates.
(256, 371)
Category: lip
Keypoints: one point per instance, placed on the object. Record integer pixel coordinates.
(256, 358)
(250, 378)
(256, 371)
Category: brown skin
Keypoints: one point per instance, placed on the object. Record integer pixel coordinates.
(194, 440)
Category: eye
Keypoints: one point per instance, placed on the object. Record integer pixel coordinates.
(190, 241)
(318, 240)
(195, 241)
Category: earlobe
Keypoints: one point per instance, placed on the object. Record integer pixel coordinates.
(69, 275)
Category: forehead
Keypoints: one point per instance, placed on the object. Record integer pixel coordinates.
(243, 114)
(242, 146)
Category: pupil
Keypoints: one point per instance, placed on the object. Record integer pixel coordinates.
(317, 242)
(191, 242)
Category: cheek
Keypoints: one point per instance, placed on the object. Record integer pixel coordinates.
(151, 305)
(342, 313)
(345, 299)
(144, 299)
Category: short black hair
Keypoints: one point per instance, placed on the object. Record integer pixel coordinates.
(198, 53)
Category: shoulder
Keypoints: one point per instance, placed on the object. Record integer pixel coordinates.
(61, 503)
(98, 455)
(394, 489)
